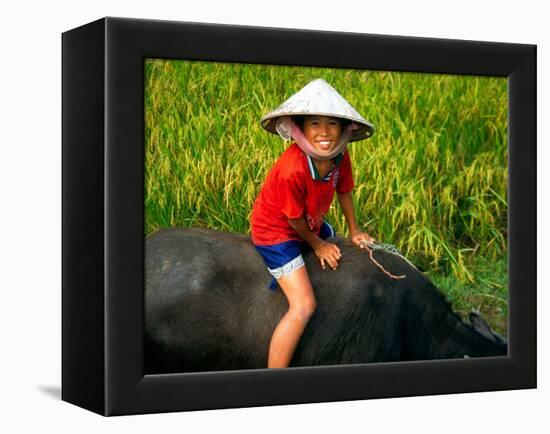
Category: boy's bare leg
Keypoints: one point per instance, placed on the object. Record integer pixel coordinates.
(301, 305)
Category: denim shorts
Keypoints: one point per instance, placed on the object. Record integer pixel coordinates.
(284, 258)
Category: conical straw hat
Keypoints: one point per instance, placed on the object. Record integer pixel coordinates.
(319, 98)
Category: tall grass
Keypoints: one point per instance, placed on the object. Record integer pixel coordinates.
(432, 180)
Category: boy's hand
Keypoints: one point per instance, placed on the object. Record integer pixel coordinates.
(361, 238)
(328, 253)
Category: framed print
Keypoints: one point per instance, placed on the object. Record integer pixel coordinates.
(205, 167)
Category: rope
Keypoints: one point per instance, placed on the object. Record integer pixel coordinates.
(388, 248)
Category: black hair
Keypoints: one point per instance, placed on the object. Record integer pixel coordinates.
(299, 121)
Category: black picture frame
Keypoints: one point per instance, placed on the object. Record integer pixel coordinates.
(103, 216)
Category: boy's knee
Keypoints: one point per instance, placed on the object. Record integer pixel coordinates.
(304, 309)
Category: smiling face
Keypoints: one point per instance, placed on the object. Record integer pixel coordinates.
(322, 132)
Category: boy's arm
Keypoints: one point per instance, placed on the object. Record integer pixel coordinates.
(326, 252)
(346, 203)
(357, 236)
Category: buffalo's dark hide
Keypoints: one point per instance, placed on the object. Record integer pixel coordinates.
(208, 307)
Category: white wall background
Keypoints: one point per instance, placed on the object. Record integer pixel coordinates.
(30, 183)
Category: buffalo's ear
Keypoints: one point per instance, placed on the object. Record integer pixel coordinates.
(479, 325)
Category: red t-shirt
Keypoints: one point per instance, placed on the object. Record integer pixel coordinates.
(290, 191)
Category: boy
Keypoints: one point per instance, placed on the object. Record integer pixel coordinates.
(297, 193)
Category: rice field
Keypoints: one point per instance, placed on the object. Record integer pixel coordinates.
(432, 180)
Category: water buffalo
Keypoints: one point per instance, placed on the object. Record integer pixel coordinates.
(208, 307)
